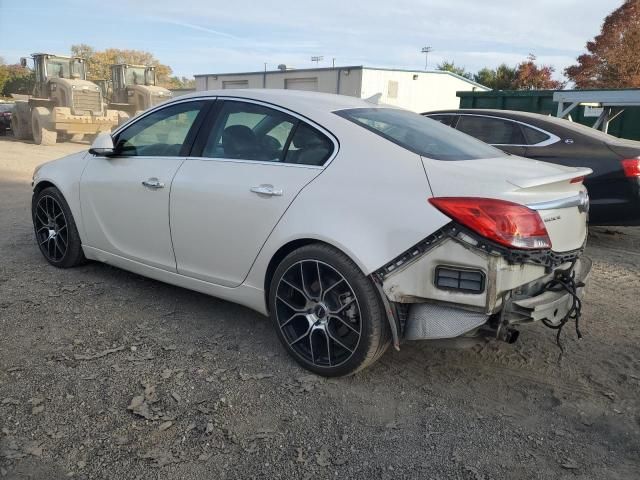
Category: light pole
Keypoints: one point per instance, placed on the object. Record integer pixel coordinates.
(317, 59)
(426, 51)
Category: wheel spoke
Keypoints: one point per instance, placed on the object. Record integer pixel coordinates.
(290, 319)
(301, 337)
(343, 307)
(326, 336)
(304, 283)
(339, 342)
(297, 310)
(331, 288)
(296, 288)
(41, 208)
(321, 292)
(43, 222)
(346, 324)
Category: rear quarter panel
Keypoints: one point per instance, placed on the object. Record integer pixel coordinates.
(370, 202)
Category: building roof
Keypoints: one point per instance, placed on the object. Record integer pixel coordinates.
(348, 67)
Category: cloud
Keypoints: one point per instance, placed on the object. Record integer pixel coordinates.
(243, 34)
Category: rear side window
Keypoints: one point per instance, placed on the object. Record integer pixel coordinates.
(248, 131)
(494, 131)
(420, 134)
(308, 147)
(534, 136)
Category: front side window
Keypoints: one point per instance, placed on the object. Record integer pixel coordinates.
(494, 131)
(420, 134)
(247, 131)
(161, 133)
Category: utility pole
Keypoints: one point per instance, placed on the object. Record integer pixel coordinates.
(333, 63)
(317, 59)
(426, 51)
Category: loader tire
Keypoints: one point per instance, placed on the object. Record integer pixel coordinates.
(42, 135)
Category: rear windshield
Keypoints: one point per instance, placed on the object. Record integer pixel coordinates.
(419, 134)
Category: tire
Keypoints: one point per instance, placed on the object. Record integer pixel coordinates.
(39, 123)
(54, 225)
(17, 128)
(122, 117)
(334, 326)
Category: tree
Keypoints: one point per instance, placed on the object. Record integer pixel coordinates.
(447, 66)
(530, 76)
(502, 78)
(15, 79)
(612, 60)
(98, 63)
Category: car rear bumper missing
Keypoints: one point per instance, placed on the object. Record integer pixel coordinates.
(514, 290)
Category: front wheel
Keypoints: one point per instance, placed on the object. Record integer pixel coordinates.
(327, 313)
(55, 229)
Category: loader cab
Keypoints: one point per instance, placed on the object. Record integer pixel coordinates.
(48, 67)
(135, 89)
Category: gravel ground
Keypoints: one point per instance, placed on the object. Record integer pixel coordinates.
(105, 374)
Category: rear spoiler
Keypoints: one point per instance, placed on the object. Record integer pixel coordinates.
(560, 177)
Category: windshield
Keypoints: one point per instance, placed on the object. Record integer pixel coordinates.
(6, 107)
(61, 67)
(136, 76)
(420, 135)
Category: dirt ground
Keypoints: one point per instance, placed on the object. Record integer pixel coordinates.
(105, 374)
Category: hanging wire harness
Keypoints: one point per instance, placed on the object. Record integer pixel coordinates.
(566, 280)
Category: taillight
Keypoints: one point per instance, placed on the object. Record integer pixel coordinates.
(506, 223)
(631, 167)
(577, 180)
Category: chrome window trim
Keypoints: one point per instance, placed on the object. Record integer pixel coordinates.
(550, 141)
(302, 118)
(259, 162)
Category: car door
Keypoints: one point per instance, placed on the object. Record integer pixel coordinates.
(246, 170)
(499, 132)
(125, 197)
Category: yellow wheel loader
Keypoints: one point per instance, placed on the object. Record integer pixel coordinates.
(63, 105)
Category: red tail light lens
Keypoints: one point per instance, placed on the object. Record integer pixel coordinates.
(577, 180)
(506, 223)
(631, 167)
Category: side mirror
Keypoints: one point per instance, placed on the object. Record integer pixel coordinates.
(102, 146)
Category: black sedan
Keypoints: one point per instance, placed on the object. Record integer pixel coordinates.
(5, 117)
(614, 186)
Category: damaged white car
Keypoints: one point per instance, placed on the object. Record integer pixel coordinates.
(354, 226)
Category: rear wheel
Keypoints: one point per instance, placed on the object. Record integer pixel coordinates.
(327, 313)
(55, 229)
(18, 126)
(42, 134)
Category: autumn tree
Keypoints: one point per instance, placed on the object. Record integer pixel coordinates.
(98, 63)
(15, 79)
(613, 59)
(530, 76)
(447, 66)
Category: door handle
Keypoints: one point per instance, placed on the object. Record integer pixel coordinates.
(153, 183)
(267, 190)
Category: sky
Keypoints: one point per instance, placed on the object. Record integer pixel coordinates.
(213, 36)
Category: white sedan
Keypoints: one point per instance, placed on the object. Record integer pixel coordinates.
(352, 225)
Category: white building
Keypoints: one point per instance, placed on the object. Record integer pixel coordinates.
(414, 90)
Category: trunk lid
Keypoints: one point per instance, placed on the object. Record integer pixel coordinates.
(542, 186)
